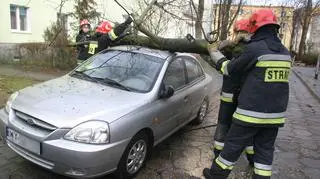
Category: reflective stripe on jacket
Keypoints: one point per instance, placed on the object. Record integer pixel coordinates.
(264, 95)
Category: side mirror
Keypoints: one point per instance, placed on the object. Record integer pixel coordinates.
(166, 92)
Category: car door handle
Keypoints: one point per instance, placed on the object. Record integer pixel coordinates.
(186, 99)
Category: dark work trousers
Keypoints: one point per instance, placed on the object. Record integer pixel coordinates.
(237, 139)
(224, 122)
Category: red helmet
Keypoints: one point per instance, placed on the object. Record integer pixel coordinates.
(242, 25)
(262, 17)
(84, 22)
(104, 27)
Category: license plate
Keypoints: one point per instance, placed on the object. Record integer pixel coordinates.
(23, 141)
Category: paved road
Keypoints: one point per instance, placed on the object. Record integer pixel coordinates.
(297, 152)
(307, 75)
(184, 154)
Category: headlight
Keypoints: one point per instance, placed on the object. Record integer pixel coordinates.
(91, 132)
(10, 101)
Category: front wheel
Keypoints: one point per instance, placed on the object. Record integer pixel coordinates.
(202, 113)
(134, 157)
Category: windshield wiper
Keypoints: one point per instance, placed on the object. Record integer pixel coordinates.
(101, 80)
(84, 75)
(113, 83)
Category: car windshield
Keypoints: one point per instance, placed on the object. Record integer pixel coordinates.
(122, 69)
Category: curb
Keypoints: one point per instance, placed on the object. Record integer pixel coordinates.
(310, 89)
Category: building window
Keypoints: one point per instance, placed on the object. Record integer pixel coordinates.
(19, 18)
(23, 18)
(13, 15)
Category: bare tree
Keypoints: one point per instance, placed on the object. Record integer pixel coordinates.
(198, 24)
(57, 28)
(156, 19)
(172, 8)
(304, 12)
(225, 12)
(85, 9)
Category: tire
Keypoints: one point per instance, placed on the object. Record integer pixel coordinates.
(203, 110)
(138, 158)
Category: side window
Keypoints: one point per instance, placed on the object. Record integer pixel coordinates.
(194, 70)
(175, 74)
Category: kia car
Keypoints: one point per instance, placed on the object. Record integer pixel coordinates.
(107, 114)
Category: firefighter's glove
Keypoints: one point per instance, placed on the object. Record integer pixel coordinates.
(225, 43)
(216, 55)
(128, 21)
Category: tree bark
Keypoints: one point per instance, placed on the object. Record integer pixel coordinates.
(198, 46)
(305, 27)
(225, 20)
(198, 24)
(235, 15)
(169, 44)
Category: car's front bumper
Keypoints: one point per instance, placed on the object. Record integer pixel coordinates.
(68, 157)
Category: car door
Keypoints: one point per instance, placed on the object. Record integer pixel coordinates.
(196, 87)
(171, 110)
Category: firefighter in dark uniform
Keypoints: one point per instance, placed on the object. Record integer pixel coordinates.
(83, 36)
(231, 87)
(105, 35)
(263, 98)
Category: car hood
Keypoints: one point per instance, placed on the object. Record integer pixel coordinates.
(68, 101)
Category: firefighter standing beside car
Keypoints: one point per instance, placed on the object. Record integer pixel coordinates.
(263, 98)
(83, 36)
(105, 35)
(231, 87)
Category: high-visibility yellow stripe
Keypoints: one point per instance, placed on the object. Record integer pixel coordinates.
(224, 68)
(250, 151)
(263, 172)
(273, 64)
(92, 47)
(226, 99)
(218, 147)
(277, 75)
(269, 57)
(112, 35)
(260, 114)
(258, 120)
(222, 165)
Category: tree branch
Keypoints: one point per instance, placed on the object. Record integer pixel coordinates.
(170, 13)
(204, 34)
(235, 15)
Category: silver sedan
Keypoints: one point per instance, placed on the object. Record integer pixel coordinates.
(107, 114)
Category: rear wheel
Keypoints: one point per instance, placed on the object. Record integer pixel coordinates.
(202, 113)
(134, 157)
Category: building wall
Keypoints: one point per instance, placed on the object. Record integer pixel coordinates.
(314, 34)
(40, 14)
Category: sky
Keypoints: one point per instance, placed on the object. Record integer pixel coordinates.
(266, 2)
(259, 2)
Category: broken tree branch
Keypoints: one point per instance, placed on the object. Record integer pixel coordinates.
(198, 46)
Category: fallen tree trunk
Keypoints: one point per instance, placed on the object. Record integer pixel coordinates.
(198, 46)
(168, 44)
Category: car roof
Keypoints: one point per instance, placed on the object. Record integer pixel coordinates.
(144, 50)
(149, 51)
